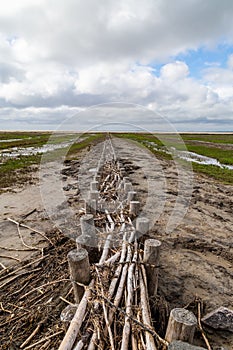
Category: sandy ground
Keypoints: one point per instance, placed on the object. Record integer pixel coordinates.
(191, 216)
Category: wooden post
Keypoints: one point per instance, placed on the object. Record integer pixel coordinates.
(127, 187)
(94, 186)
(79, 271)
(94, 195)
(151, 258)
(134, 207)
(91, 206)
(181, 325)
(122, 171)
(88, 236)
(87, 224)
(179, 345)
(97, 178)
(142, 225)
(131, 196)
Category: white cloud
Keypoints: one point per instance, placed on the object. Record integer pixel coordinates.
(78, 53)
(174, 71)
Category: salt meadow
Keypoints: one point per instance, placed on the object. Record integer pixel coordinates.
(211, 154)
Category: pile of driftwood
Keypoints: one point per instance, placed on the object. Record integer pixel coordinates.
(113, 294)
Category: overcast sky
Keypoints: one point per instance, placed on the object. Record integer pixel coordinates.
(60, 57)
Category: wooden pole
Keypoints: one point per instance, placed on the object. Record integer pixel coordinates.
(94, 186)
(131, 196)
(134, 207)
(151, 259)
(181, 325)
(94, 195)
(127, 187)
(79, 271)
(71, 335)
(142, 225)
(87, 225)
(91, 206)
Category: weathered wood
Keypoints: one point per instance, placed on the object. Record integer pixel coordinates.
(94, 195)
(97, 177)
(88, 237)
(94, 186)
(142, 225)
(179, 345)
(127, 187)
(75, 324)
(146, 317)
(151, 259)
(181, 325)
(91, 206)
(79, 271)
(131, 196)
(134, 207)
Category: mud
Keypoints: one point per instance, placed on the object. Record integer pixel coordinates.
(196, 254)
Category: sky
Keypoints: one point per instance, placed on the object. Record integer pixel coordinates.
(130, 58)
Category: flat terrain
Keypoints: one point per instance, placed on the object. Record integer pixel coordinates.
(197, 245)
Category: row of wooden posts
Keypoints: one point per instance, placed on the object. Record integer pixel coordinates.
(182, 323)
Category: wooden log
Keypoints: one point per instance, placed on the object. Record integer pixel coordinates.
(146, 316)
(181, 325)
(134, 207)
(79, 271)
(151, 259)
(129, 303)
(76, 323)
(131, 196)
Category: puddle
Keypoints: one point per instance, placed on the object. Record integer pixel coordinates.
(190, 156)
(16, 152)
(13, 140)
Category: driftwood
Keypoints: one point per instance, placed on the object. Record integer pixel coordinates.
(77, 320)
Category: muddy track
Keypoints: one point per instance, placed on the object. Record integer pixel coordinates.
(196, 259)
(197, 256)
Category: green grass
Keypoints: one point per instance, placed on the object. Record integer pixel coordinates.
(222, 155)
(215, 172)
(89, 139)
(28, 140)
(17, 170)
(215, 138)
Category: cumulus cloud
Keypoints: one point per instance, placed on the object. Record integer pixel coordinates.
(76, 53)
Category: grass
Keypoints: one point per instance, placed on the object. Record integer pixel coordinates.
(214, 138)
(17, 170)
(35, 140)
(224, 156)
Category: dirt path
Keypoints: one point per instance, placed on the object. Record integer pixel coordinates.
(197, 255)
